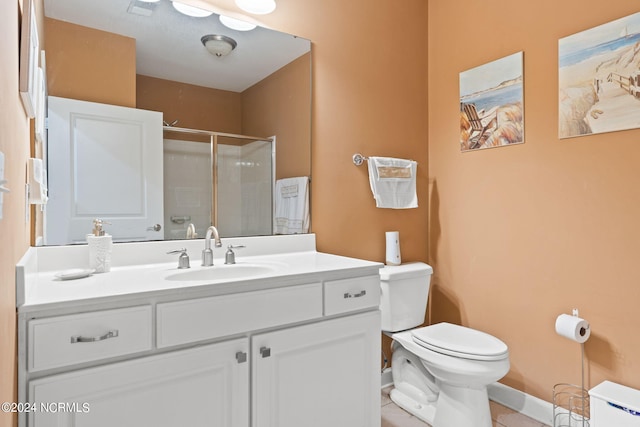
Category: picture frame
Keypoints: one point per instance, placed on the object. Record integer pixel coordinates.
(29, 55)
(492, 104)
(599, 79)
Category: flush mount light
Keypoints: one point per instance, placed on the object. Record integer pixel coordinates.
(142, 8)
(257, 7)
(218, 45)
(236, 24)
(191, 10)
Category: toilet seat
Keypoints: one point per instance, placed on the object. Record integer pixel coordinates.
(459, 341)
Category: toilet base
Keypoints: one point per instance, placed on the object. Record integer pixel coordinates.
(462, 407)
(426, 413)
(456, 406)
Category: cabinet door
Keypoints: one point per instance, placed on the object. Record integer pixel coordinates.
(319, 375)
(203, 386)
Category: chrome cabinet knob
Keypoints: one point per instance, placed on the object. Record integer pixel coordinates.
(265, 352)
(156, 227)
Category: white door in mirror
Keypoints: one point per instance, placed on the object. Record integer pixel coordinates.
(104, 161)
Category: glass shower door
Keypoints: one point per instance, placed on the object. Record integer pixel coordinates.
(245, 180)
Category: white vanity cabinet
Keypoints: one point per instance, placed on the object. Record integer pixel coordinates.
(297, 354)
(202, 386)
(318, 375)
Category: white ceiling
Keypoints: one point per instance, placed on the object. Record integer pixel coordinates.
(168, 43)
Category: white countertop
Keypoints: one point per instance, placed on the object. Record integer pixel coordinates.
(289, 261)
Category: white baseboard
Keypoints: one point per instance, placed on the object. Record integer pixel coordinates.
(386, 378)
(531, 406)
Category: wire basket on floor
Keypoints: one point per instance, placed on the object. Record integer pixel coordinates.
(570, 406)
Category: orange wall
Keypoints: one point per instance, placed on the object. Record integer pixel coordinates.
(279, 105)
(521, 234)
(194, 107)
(369, 96)
(14, 231)
(108, 71)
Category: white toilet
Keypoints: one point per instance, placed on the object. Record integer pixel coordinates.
(440, 372)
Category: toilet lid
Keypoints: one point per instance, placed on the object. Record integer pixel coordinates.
(459, 341)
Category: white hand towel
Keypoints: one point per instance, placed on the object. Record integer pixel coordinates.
(393, 182)
(292, 206)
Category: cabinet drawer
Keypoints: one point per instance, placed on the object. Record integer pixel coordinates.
(78, 338)
(341, 296)
(207, 318)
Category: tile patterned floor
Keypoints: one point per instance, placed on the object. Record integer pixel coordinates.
(394, 416)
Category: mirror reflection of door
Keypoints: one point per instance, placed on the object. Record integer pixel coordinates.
(105, 162)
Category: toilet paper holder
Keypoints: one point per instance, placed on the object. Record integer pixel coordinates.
(571, 406)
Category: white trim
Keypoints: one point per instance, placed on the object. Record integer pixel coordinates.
(185, 146)
(387, 378)
(531, 406)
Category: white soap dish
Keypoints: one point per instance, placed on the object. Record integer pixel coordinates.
(74, 273)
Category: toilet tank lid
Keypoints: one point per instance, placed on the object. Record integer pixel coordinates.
(405, 271)
(618, 394)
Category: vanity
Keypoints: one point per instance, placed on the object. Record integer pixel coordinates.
(286, 337)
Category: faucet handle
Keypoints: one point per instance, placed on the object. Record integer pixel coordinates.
(177, 251)
(230, 256)
(183, 259)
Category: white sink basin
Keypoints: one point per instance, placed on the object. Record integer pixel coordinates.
(222, 272)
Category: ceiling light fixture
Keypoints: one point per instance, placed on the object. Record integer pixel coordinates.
(142, 8)
(218, 45)
(257, 7)
(191, 10)
(236, 24)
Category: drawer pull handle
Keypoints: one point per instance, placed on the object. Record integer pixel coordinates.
(265, 352)
(241, 357)
(358, 295)
(80, 338)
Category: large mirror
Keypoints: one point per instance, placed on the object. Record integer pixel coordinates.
(150, 56)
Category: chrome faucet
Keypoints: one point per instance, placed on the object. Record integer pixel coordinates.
(191, 231)
(207, 253)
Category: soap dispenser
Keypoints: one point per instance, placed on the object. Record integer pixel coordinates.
(100, 244)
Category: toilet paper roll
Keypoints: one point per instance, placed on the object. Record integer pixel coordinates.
(393, 248)
(573, 327)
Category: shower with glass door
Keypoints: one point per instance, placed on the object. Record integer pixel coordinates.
(217, 178)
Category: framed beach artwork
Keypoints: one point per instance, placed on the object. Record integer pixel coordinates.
(29, 55)
(492, 104)
(599, 79)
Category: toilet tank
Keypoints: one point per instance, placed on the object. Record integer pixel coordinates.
(614, 405)
(404, 294)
